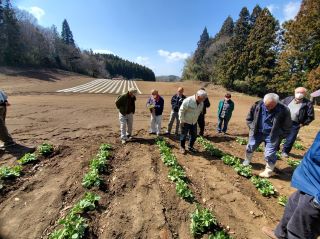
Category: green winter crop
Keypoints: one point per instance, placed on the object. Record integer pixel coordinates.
(299, 146)
(10, 172)
(293, 163)
(242, 141)
(242, 170)
(202, 220)
(28, 158)
(264, 186)
(230, 160)
(45, 149)
(283, 200)
(183, 190)
(219, 235)
(206, 144)
(177, 173)
(91, 179)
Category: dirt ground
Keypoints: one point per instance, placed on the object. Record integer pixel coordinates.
(138, 200)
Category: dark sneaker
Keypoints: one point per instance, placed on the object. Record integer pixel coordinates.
(9, 144)
(192, 150)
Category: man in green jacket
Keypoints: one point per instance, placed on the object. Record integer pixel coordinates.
(126, 106)
(225, 109)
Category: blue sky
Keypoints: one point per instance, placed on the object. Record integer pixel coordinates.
(157, 33)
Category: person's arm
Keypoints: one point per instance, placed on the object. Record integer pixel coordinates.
(250, 116)
(182, 111)
(287, 122)
(310, 114)
(161, 105)
(207, 103)
(119, 101)
(173, 100)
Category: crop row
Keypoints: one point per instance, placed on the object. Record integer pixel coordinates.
(202, 220)
(103, 86)
(74, 224)
(12, 172)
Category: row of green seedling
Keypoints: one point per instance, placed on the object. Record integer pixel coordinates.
(264, 186)
(10, 172)
(244, 141)
(74, 225)
(176, 172)
(97, 166)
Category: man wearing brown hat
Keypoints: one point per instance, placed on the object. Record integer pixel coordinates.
(126, 106)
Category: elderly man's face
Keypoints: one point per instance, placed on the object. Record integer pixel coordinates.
(270, 104)
(200, 98)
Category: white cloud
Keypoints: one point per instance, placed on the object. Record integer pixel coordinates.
(143, 60)
(103, 51)
(173, 56)
(291, 10)
(272, 8)
(37, 12)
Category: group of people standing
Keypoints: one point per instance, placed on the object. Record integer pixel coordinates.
(187, 112)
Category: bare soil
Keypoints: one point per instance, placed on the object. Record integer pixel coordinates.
(138, 200)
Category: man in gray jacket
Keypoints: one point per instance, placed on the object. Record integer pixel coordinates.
(269, 121)
(4, 134)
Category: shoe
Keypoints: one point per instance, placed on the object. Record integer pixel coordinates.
(192, 150)
(167, 133)
(248, 159)
(123, 141)
(9, 144)
(182, 150)
(152, 132)
(284, 155)
(269, 232)
(267, 173)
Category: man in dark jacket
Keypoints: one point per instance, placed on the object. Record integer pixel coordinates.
(301, 218)
(269, 121)
(225, 109)
(302, 113)
(176, 102)
(126, 106)
(155, 104)
(4, 134)
(201, 119)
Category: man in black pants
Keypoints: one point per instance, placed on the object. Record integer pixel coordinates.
(201, 119)
(4, 134)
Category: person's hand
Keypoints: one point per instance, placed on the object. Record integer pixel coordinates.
(7, 103)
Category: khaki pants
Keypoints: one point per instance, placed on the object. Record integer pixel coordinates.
(4, 134)
(126, 122)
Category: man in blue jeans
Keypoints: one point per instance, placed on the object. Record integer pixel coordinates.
(189, 112)
(301, 219)
(268, 122)
(302, 113)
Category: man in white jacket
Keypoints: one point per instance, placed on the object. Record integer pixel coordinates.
(189, 113)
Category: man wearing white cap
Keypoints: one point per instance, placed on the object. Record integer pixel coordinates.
(189, 113)
(126, 106)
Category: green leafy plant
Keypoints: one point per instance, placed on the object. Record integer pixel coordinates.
(202, 221)
(242, 141)
(177, 173)
(242, 170)
(259, 149)
(206, 144)
(7, 172)
(298, 145)
(230, 160)
(98, 163)
(28, 158)
(87, 203)
(293, 163)
(264, 186)
(219, 235)
(283, 200)
(183, 190)
(45, 149)
(278, 153)
(91, 179)
(105, 147)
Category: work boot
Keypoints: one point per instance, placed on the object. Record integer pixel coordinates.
(268, 170)
(248, 159)
(269, 232)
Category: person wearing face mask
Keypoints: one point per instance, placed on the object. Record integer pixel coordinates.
(302, 113)
(269, 121)
(225, 110)
(155, 104)
(189, 113)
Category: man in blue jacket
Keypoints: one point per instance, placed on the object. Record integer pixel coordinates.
(302, 114)
(176, 102)
(155, 104)
(301, 217)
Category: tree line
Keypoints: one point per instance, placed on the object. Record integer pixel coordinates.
(25, 43)
(256, 55)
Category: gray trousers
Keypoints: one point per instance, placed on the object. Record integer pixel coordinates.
(301, 218)
(174, 116)
(4, 134)
(126, 122)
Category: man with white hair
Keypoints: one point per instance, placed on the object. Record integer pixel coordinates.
(4, 134)
(189, 112)
(302, 113)
(126, 106)
(268, 122)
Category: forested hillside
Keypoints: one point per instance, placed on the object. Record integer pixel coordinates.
(255, 54)
(25, 43)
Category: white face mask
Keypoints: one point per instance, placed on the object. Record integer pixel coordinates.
(298, 96)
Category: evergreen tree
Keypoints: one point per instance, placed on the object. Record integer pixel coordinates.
(66, 34)
(2, 33)
(226, 29)
(233, 64)
(261, 53)
(202, 45)
(301, 52)
(255, 14)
